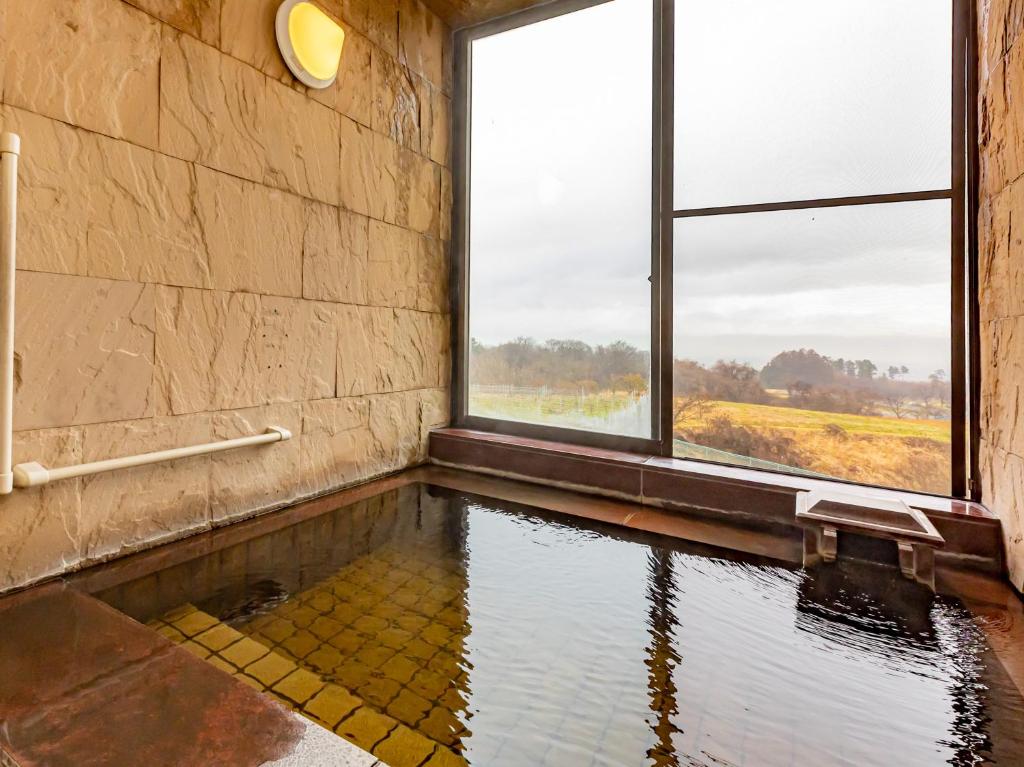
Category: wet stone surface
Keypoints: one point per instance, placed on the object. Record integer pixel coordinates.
(83, 685)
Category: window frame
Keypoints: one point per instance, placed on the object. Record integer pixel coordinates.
(962, 194)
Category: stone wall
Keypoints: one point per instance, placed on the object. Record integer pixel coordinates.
(207, 248)
(1001, 256)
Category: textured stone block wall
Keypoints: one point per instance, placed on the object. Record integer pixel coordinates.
(1001, 249)
(206, 247)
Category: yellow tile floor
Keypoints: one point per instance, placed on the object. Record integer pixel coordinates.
(373, 653)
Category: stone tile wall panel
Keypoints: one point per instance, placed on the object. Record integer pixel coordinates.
(360, 186)
(218, 350)
(447, 202)
(249, 35)
(421, 40)
(83, 350)
(93, 63)
(392, 251)
(3, 46)
(125, 510)
(207, 350)
(435, 117)
(199, 18)
(354, 89)
(298, 348)
(211, 108)
(39, 528)
(382, 24)
(396, 101)
(335, 252)
(252, 234)
(93, 205)
(390, 350)
(336, 442)
(1003, 489)
(245, 480)
(302, 138)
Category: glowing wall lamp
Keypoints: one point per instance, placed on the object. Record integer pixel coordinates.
(310, 42)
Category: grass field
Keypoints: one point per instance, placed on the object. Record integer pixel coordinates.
(877, 450)
(551, 406)
(793, 420)
(612, 412)
(893, 452)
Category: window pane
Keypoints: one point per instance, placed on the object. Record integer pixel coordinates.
(560, 222)
(817, 341)
(803, 99)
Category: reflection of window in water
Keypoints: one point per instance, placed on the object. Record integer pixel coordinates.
(863, 609)
(662, 657)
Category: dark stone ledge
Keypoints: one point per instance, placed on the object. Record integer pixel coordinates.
(756, 498)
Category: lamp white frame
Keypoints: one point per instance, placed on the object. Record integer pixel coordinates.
(284, 44)
(33, 474)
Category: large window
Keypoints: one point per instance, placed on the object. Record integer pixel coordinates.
(728, 231)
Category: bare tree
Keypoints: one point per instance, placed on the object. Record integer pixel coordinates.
(697, 405)
(633, 383)
(940, 388)
(897, 402)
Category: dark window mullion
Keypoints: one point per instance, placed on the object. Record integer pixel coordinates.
(824, 202)
(960, 253)
(663, 232)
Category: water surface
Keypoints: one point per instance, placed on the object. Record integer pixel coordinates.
(502, 635)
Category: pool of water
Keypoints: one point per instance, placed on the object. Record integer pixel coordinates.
(438, 628)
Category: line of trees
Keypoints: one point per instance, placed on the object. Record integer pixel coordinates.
(800, 378)
(804, 379)
(561, 365)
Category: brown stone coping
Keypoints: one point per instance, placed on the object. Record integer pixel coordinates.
(778, 544)
(107, 575)
(85, 685)
(973, 534)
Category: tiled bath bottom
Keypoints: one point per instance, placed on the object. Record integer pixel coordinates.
(373, 652)
(433, 628)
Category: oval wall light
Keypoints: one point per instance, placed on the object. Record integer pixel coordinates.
(310, 42)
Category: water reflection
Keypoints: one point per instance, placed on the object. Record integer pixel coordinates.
(865, 611)
(662, 658)
(486, 633)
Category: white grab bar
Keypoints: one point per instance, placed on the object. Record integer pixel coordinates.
(34, 474)
(10, 148)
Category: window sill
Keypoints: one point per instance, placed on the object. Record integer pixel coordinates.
(972, 532)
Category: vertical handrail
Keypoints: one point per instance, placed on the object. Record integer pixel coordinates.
(10, 149)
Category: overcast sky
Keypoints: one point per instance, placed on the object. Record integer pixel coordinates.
(776, 100)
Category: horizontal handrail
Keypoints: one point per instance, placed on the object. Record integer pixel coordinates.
(34, 474)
